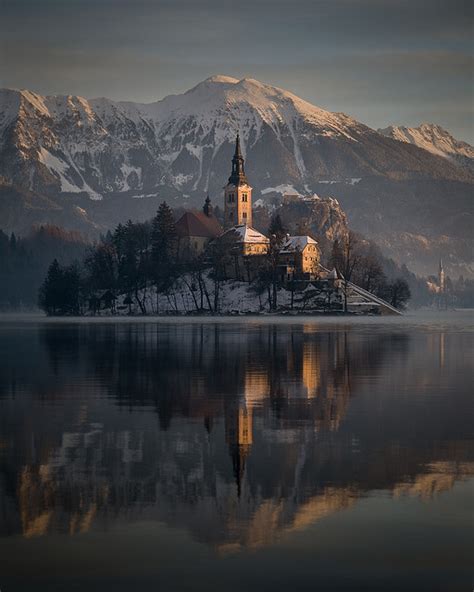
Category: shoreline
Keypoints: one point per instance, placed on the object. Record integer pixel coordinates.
(425, 319)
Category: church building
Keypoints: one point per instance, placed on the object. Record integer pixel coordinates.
(196, 230)
(241, 252)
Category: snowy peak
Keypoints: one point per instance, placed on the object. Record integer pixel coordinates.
(232, 105)
(219, 79)
(181, 146)
(435, 139)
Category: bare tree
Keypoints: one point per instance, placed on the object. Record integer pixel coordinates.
(346, 256)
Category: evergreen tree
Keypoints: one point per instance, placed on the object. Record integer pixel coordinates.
(71, 292)
(101, 267)
(50, 294)
(277, 228)
(60, 293)
(13, 242)
(164, 242)
(132, 254)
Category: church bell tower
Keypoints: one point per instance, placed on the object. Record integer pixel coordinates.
(237, 193)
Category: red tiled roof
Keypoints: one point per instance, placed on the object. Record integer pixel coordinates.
(198, 224)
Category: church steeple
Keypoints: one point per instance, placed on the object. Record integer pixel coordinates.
(441, 276)
(237, 176)
(238, 193)
(207, 207)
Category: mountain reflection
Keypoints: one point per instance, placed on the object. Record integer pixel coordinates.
(238, 433)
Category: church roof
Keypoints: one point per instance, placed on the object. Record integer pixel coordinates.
(238, 176)
(198, 224)
(246, 234)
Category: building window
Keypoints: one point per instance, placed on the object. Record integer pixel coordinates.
(244, 215)
(244, 197)
(231, 198)
(231, 215)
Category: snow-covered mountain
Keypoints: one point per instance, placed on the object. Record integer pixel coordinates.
(182, 144)
(85, 162)
(436, 140)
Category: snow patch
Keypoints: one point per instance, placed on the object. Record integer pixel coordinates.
(144, 195)
(282, 189)
(180, 179)
(59, 168)
(126, 170)
(351, 181)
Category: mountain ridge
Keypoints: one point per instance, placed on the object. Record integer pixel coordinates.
(75, 152)
(207, 117)
(435, 139)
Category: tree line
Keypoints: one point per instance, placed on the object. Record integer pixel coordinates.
(131, 260)
(24, 262)
(140, 260)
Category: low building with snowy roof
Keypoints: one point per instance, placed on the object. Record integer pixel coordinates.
(245, 241)
(243, 249)
(300, 257)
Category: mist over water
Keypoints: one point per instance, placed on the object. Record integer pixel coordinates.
(239, 455)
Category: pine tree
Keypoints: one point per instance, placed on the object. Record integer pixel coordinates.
(13, 242)
(60, 293)
(276, 227)
(164, 242)
(50, 294)
(71, 292)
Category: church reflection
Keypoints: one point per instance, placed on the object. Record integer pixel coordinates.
(237, 433)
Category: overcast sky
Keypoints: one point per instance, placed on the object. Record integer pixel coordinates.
(381, 61)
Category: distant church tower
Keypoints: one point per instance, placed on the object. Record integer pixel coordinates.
(442, 295)
(237, 193)
(441, 278)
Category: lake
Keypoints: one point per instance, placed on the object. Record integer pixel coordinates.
(237, 455)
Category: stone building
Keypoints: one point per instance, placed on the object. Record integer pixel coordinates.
(244, 250)
(299, 258)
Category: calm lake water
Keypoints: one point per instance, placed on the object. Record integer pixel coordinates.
(245, 455)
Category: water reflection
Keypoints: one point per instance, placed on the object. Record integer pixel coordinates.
(238, 433)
